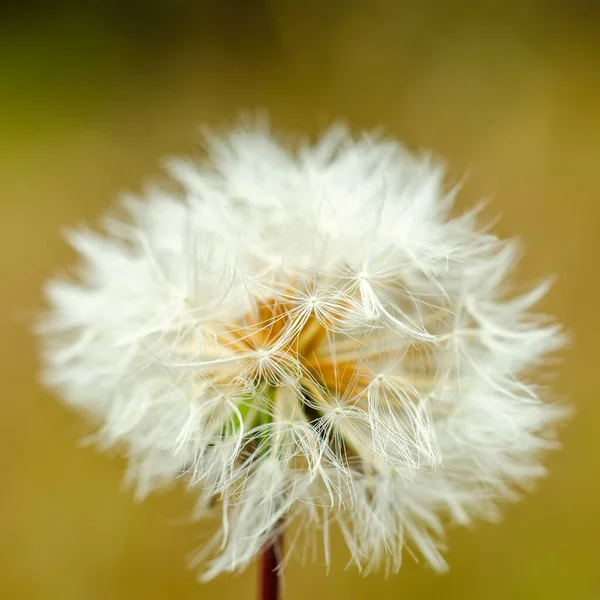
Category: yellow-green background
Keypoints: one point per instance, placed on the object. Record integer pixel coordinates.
(92, 98)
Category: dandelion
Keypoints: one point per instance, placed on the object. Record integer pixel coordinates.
(308, 336)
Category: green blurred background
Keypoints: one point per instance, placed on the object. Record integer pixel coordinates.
(93, 95)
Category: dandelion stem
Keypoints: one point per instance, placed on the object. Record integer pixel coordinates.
(269, 572)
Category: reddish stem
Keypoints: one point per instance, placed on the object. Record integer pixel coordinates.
(269, 573)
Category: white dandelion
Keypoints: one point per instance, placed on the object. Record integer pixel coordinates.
(308, 336)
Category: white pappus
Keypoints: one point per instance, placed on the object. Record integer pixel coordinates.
(307, 334)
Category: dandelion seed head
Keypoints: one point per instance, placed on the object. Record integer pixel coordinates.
(307, 334)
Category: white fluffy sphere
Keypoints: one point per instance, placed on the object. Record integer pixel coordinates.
(308, 334)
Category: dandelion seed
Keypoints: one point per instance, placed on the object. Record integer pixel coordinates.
(308, 336)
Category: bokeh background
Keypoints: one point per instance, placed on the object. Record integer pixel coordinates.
(94, 94)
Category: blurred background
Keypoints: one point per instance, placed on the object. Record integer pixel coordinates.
(94, 94)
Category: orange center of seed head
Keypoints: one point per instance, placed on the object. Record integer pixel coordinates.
(275, 324)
